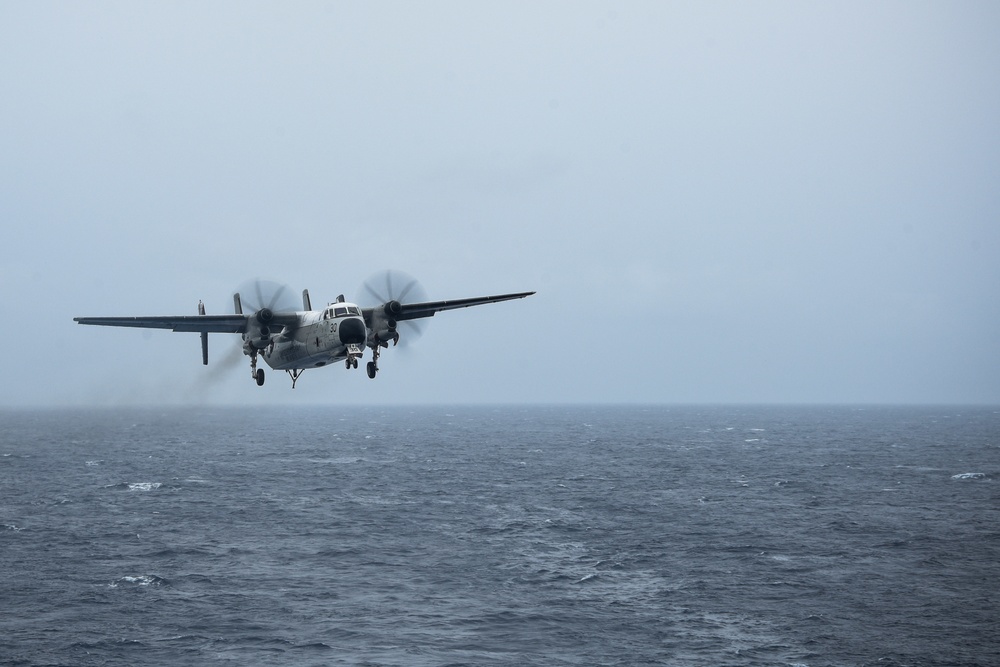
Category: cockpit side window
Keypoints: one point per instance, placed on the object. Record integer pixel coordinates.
(353, 310)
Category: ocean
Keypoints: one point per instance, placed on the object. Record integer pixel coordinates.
(591, 535)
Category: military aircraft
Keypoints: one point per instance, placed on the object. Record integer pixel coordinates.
(295, 340)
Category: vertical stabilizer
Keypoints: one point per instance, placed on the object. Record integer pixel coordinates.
(204, 337)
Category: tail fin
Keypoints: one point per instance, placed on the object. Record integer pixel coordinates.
(204, 337)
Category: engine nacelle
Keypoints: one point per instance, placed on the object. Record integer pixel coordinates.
(258, 334)
(251, 345)
(256, 341)
(384, 322)
(386, 330)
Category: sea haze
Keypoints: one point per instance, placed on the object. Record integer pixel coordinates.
(500, 536)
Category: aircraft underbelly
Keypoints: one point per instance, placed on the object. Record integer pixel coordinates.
(298, 354)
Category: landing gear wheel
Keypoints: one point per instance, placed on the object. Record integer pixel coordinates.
(355, 362)
(372, 369)
(259, 376)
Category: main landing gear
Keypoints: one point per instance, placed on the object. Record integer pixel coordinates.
(372, 366)
(256, 373)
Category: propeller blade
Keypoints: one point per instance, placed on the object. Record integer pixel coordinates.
(267, 294)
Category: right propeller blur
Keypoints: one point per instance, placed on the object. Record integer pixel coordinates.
(388, 286)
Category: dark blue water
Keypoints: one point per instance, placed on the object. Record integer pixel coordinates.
(507, 536)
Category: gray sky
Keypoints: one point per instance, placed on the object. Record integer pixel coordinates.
(716, 202)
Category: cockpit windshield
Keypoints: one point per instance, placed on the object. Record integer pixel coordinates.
(341, 311)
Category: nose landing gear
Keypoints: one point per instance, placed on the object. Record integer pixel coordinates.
(354, 352)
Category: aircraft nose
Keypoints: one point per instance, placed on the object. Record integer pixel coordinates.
(353, 332)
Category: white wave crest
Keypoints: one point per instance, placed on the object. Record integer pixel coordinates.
(141, 580)
(143, 486)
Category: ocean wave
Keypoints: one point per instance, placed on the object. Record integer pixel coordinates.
(341, 460)
(134, 486)
(143, 486)
(141, 580)
(970, 475)
(604, 553)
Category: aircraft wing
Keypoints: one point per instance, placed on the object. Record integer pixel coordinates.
(412, 311)
(196, 323)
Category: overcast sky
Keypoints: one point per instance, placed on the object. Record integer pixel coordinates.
(716, 202)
